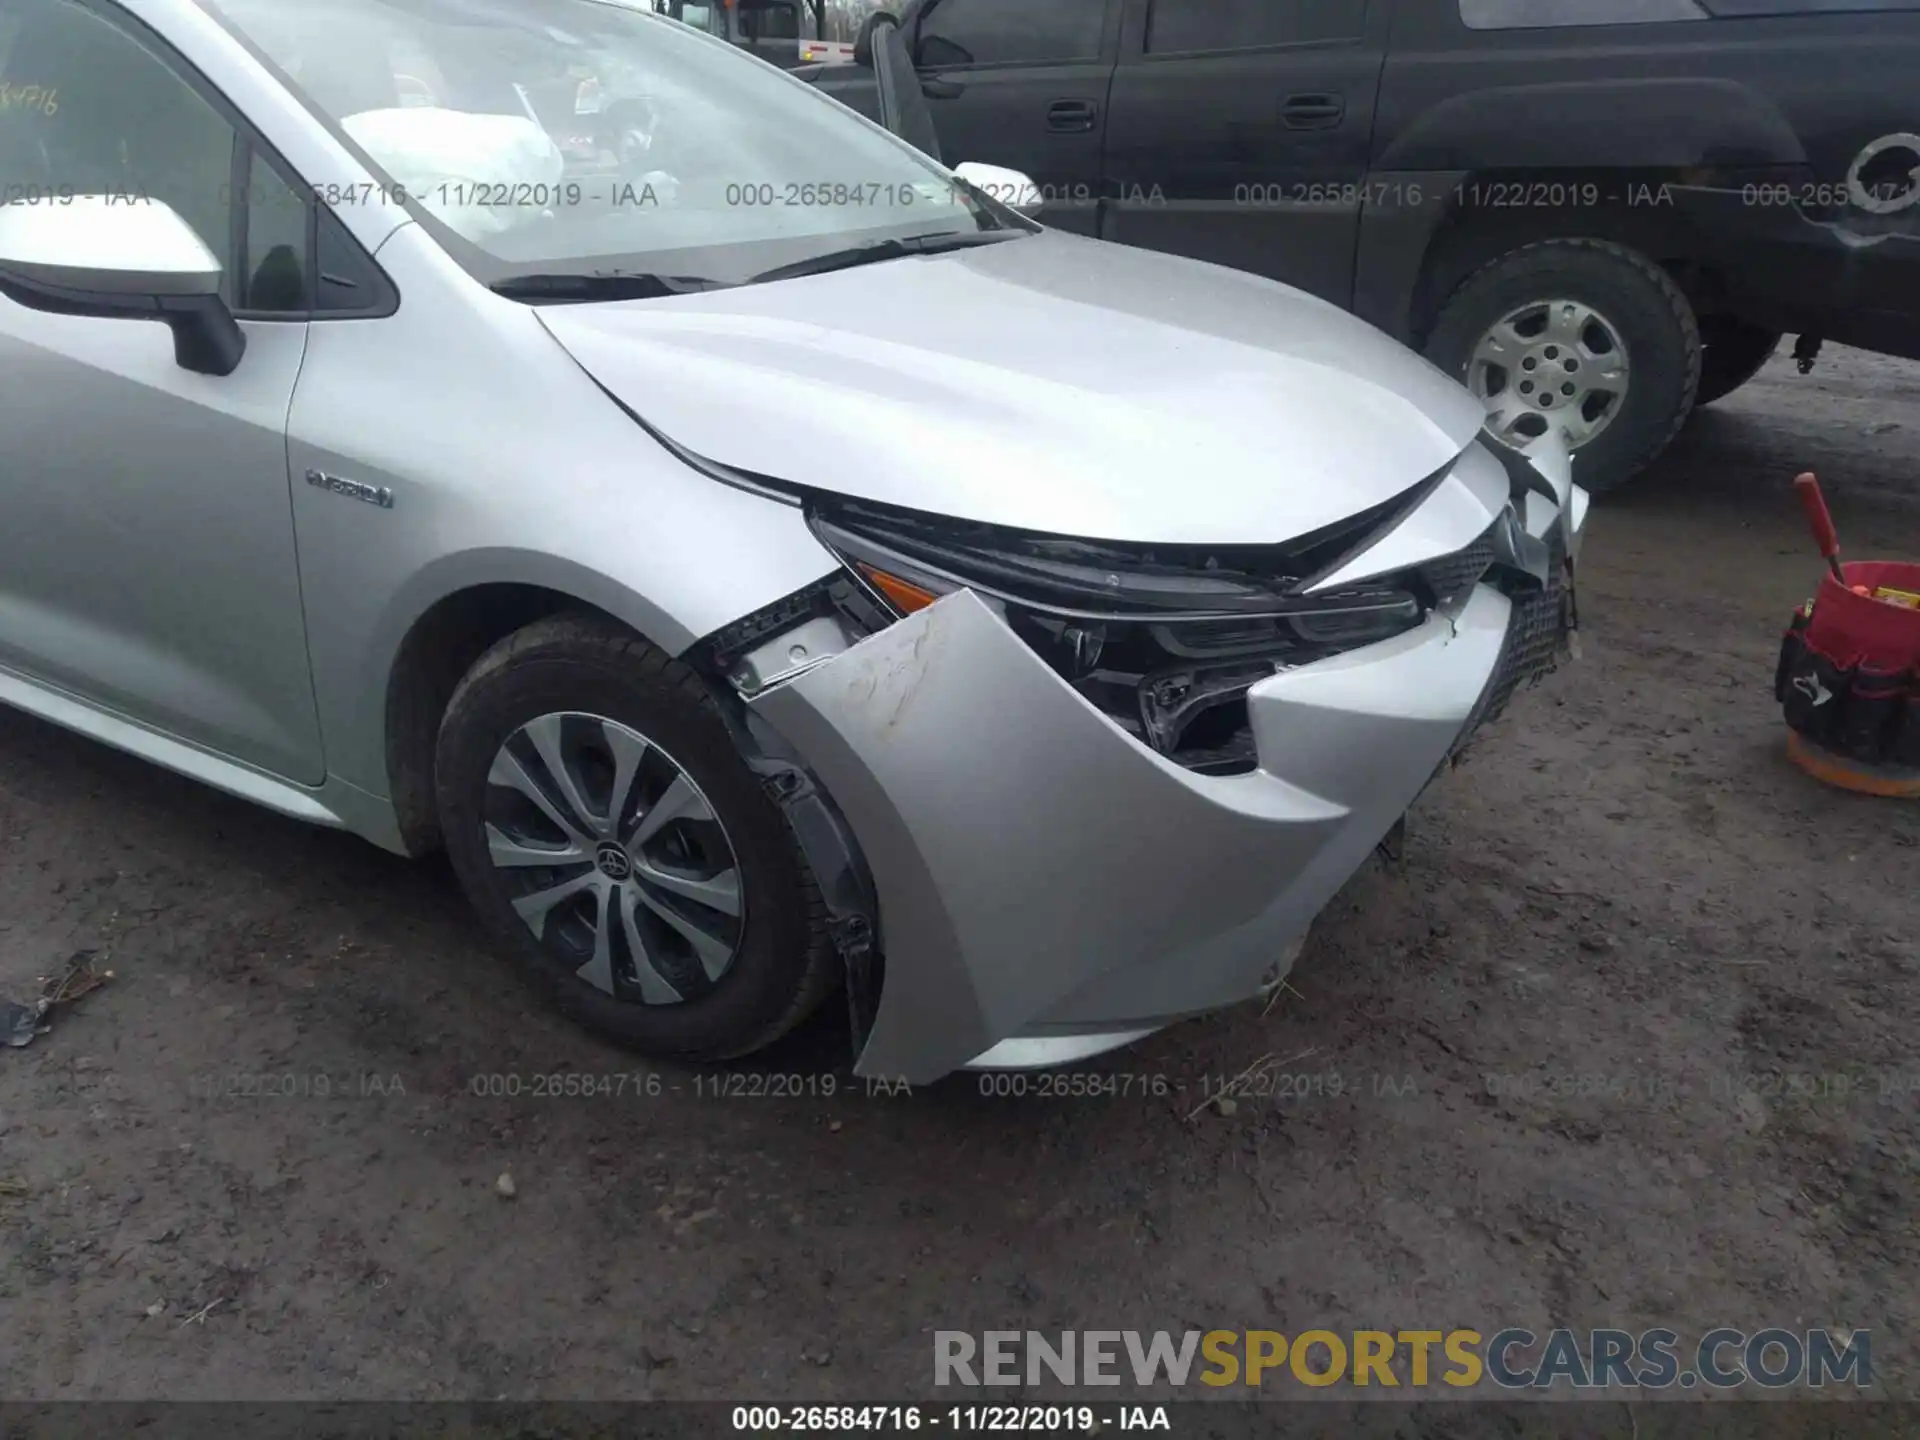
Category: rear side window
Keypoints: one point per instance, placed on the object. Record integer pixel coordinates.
(1740, 9)
(1010, 32)
(1540, 14)
(1175, 26)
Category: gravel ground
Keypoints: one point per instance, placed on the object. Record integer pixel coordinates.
(1626, 909)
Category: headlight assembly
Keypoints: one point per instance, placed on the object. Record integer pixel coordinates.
(913, 560)
(1165, 640)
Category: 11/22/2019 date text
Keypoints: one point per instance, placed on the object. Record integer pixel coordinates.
(958, 1419)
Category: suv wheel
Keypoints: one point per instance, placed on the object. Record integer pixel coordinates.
(1585, 335)
(618, 848)
(1735, 353)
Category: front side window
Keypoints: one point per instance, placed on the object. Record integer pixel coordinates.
(274, 266)
(768, 20)
(85, 109)
(1010, 32)
(700, 17)
(583, 139)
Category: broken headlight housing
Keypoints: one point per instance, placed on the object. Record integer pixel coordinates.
(1166, 640)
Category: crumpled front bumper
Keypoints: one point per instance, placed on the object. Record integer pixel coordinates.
(1048, 887)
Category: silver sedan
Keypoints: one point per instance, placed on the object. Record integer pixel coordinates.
(767, 562)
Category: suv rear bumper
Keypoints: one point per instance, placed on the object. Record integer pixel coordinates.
(1854, 278)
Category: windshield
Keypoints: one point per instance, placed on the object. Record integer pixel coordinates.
(577, 137)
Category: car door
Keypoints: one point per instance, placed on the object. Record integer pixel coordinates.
(147, 561)
(1239, 131)
(1023, 83)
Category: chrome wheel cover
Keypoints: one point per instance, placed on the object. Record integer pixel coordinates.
(614, 858)
(1550, 362)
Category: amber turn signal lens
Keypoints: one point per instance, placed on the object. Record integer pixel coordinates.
(905, 597)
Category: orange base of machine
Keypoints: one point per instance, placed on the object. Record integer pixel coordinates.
(1895, 782)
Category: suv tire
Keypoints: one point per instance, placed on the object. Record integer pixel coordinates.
(687, 924)
(1630, 297)
(1735, 352)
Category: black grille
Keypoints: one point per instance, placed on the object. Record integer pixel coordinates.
(1539, 630)
(1451, 574)
(1535, 636)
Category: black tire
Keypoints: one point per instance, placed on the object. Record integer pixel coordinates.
(1734, 353)
(1656, 322)
(783, 965)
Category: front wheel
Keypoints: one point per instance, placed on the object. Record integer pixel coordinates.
(1583, 335)
(617, 847)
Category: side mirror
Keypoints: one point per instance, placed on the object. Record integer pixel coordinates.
(902, 103)
(120, 257)
(863, 42)
(1011, 188)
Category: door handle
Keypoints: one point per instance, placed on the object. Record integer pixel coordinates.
(1070, 116)
(1312, 112)
(941, 89)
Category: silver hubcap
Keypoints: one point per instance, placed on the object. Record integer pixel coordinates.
(1552, 362)
(614, 858)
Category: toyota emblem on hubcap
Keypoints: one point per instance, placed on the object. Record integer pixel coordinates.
(613, 862)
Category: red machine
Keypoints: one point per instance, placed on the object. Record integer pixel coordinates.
(1849, 672)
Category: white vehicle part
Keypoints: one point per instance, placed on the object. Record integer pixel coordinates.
(455, 164)
(1049, 383)
(1065, 811)
(1015, 955)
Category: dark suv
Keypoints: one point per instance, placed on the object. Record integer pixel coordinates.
(1599, 213)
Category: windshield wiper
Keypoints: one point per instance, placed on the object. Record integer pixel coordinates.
(886, 250)
(562, 288)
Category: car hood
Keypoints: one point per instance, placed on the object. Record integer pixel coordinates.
(1050, 383)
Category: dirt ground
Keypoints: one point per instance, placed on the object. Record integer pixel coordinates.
(1626, 909)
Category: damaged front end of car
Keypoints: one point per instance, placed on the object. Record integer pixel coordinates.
(1166, 642)
(1059, 793)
